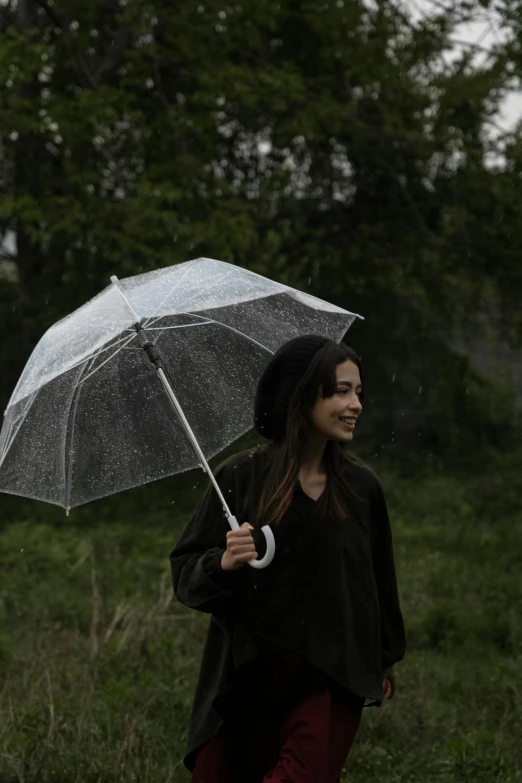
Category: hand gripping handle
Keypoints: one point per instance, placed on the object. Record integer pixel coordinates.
(270, 544)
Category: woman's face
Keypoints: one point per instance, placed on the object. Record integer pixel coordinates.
(333, 417)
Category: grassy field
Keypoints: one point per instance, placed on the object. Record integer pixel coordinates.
(99, 663)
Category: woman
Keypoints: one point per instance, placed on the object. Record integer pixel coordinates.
(294, 651)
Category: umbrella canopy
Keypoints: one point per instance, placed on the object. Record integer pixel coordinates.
(89, 418)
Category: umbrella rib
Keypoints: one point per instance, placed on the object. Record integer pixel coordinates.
(164, 328)
(16, 429)
(67, 469)
(205, 322)
(161, 329)
(85, 360)
(98, 353)
(232, 329)
(153, 318)
(130, 339)
(31, 398)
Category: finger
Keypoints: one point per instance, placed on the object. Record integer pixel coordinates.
(241, 550)
(240, 541)
(246, 557)
(243, 532)
(241, 546)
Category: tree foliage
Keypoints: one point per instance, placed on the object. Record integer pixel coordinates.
(331, 145)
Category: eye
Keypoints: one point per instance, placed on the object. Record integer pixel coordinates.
(345, 391)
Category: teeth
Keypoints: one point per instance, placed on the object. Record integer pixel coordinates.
(349, 421)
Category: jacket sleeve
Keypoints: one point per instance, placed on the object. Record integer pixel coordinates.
(199, 581)
(393, 638)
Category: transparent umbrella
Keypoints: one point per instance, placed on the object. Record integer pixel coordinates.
(92, 413)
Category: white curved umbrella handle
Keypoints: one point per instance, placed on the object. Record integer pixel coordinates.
(270, 544)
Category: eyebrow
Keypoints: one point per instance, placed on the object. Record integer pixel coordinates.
(348, 383)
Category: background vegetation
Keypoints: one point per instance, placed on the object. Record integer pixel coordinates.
(336, 147)
(100, 664)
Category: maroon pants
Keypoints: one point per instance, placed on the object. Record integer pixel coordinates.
(292, 728)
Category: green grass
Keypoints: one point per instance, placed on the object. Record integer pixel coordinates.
(99, 663)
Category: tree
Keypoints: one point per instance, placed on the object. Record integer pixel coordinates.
(330, 146)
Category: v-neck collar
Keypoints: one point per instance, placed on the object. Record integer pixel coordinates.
(300, 489)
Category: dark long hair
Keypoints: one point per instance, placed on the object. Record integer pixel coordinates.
(339, 500)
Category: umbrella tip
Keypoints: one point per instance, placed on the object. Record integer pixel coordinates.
(114, 279)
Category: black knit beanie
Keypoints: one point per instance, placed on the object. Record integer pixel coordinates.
(278, 381)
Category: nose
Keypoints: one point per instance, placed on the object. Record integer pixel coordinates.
(355, 404)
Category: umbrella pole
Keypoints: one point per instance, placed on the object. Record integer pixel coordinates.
(157, 362)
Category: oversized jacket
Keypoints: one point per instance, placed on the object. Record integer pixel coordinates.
(330, 593)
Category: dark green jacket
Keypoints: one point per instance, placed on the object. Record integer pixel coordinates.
(329, 594)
